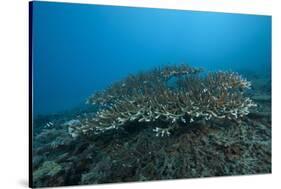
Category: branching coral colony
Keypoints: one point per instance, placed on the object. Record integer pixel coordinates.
(171, 95)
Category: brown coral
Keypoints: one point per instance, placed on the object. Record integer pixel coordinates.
(173, 95)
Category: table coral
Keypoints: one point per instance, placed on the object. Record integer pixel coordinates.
(173, 95)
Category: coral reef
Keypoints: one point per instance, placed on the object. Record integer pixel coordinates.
(233, 140)
(173, 95)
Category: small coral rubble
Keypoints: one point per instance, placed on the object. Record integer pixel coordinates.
(173, 95)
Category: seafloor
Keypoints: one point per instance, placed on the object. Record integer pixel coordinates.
(206, 149)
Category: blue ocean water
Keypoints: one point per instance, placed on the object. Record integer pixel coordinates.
(79, 49)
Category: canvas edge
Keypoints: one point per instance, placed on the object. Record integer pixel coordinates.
(30, 86)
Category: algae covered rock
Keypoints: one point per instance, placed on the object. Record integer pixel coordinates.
(48, 174)
(49, 168)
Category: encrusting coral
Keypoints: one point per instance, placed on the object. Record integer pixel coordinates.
(171, 95)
